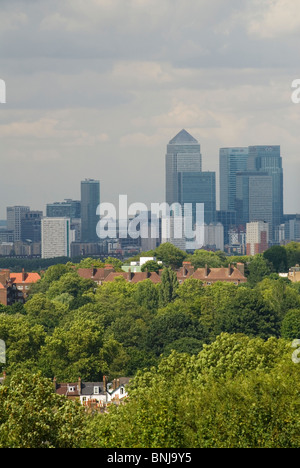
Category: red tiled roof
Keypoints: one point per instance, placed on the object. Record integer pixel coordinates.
(218, 274)
(30, 278)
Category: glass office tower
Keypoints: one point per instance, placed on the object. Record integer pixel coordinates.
(199, 187)
(231, 161)
(268, 159)
(183, 155)
(90, 199)
(254, 198)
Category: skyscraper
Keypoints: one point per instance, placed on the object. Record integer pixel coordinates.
(31, 226)
(183, 155)
(254, 197)
(231, 161)
(198, 187)
(90, 199)
(14, 216)
(268, 159)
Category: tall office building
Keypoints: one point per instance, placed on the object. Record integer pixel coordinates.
(14, 216)
(231, 161)
(90, 200)
(56, 237)
(183, 155)
(198, 187)
(254, 201)
(268, 159)
(31, 226)
(66, 209)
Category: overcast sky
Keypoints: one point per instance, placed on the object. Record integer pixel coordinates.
(97, 88)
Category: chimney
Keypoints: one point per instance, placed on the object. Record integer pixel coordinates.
(129, 275)
(241, 268)
(118, 383)
(23, 275)
(206, 271)
(79, 385)
(4, 375)
(104, 383)
(54, 384)
(94, 272)
(114, 384)
(229, 270)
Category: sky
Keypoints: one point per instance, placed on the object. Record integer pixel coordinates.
(97, 89)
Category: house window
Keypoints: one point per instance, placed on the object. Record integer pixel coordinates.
(96, 390)
(122, 391)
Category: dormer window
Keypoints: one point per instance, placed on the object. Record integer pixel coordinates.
(96, 391)
(72, 389)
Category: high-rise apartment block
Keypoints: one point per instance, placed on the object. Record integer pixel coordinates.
(90, 200)
(56, 237)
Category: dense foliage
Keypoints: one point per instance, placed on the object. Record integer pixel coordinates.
(211, 366)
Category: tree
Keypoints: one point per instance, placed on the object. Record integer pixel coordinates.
(150, 266)
(169, 327)
(168, 287)
(277, 256)
(33, 416)
(248, 313)
(200, 258)
(290, 328)
(74, 350)
(237, 393)
(258, 268)
(147, 294)
(170, 255)
(23, 341)
(42, 311)
(293, 254)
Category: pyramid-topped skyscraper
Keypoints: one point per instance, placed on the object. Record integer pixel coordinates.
(183, 155)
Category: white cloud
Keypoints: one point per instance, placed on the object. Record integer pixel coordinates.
(274, 18)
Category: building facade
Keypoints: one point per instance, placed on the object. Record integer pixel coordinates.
(183, 155)
(90, 200)
(56, 237)
(257, 237)
(231, 161)
(268, 159)
(14, 216)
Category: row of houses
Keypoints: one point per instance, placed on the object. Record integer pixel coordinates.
(94, 395)
(209, 276)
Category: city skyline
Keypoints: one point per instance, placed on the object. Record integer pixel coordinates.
(95, 92)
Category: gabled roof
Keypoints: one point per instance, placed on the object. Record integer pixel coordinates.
(87, 388)
(218, 274)
(182, 137)
(29, 278)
